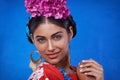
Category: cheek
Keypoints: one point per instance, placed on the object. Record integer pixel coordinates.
(40, 47)
(63, 44)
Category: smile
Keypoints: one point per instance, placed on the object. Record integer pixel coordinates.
(52, 55)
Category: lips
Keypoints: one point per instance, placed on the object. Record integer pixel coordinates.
(52, 55)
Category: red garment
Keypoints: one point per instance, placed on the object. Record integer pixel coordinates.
(46, 71)
(73, 76)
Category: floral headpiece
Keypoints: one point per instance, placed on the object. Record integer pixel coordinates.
(48, 8)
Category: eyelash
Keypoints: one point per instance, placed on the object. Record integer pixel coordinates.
(41, 40)
(57, 37)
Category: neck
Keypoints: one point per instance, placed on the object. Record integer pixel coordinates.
(65, 63)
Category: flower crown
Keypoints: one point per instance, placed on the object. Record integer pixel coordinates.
(48, 8)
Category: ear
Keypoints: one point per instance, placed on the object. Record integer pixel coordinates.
(71, 33)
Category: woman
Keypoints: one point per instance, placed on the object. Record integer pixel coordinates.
(50, 29)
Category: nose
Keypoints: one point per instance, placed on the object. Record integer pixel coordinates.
(50, 46)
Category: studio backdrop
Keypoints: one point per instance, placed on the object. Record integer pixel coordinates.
(98, 37)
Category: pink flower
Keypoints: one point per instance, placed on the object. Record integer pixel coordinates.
(47, 8)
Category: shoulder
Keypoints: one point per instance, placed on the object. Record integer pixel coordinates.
(38, 73)
(46, 71)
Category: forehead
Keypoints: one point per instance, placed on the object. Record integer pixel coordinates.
(47, 29)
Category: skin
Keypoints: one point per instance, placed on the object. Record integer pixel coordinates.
(52, 42)
(90, 70)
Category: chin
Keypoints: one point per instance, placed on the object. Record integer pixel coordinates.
(53, 61)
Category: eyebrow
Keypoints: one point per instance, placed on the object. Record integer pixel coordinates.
(51, 35)
(56, 33)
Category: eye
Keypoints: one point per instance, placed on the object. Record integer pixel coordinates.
(41, 40)
(57, 37)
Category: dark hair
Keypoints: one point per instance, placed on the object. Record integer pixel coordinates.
(64, 23)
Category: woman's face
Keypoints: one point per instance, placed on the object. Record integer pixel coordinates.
(52, 42)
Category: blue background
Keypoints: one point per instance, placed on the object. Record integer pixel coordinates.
(98, 37)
